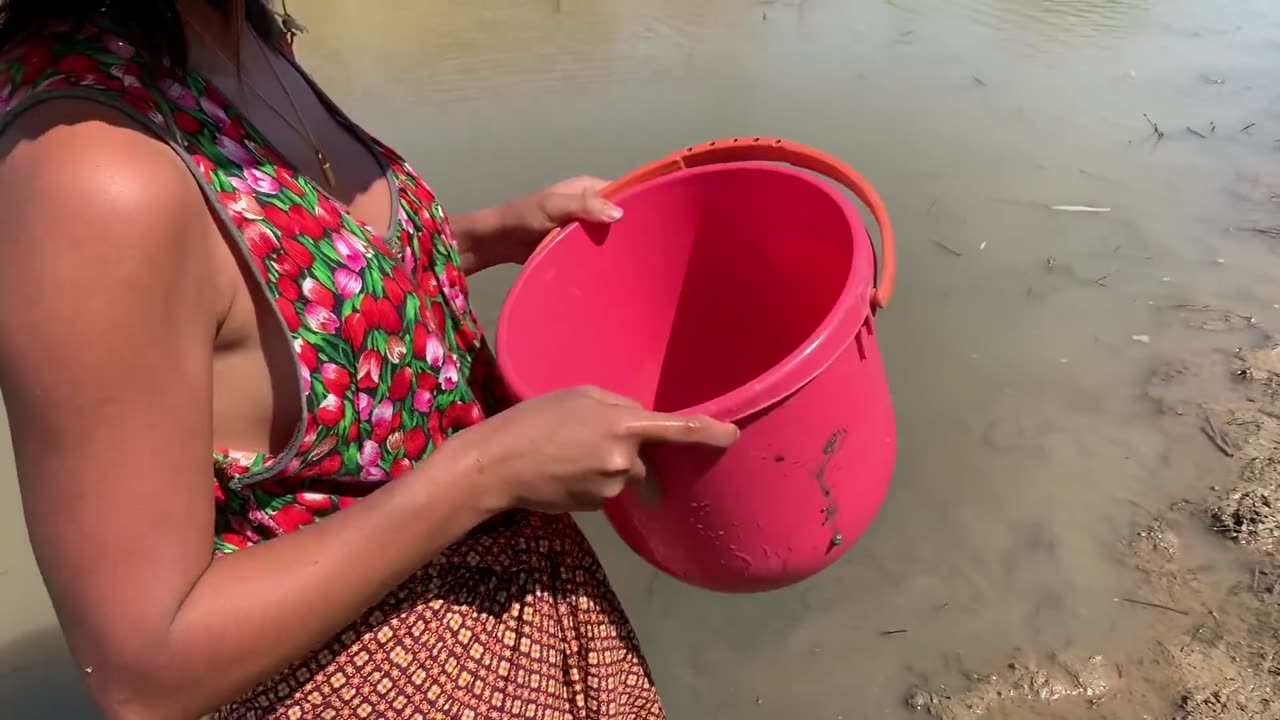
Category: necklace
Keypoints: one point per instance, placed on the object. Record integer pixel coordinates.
(300, 127)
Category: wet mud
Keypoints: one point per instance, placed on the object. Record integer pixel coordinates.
(1209, 570)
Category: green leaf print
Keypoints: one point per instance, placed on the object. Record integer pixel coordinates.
(322, 274)
(276, 201)
(327, 251)
(351, 226)
(373, 283)
(351, 455)
(311, 199)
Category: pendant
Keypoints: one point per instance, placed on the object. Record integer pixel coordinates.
(327, 170)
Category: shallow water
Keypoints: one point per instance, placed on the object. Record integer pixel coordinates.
(1026, 445)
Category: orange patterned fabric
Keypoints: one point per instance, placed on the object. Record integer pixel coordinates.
(516, 622)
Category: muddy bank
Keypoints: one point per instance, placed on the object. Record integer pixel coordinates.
(1209, 569)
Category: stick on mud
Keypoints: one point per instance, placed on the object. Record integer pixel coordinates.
(1156, 606)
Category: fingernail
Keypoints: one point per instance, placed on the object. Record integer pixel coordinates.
(612, 212)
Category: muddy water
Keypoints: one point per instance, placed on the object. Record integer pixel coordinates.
(1026, 445)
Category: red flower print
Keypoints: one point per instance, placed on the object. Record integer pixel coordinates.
(354, 433)
(291, 517)
(72, 64)
(369, 370)
(286, 179)
(327, 215)
(282, 221)
(235, 540)
(35, 59)
(400, 467)
(395, 442)
(307, 354)
(297, 252)
(330, 411)
(316, 502)
(460, 415)
(452, 276)
(395, 295)
(204, 166)
(235, 130)
(329, 466)
(259, 239)
(323, 447)
(437, 315)
(285, 266)
(217, 492)
(396, 349)
(401, 384)
(383, 420)
(186, 123)
(369, 309)
(290, 315)
(321, 319)
(463, 336)
(427, 382)
(288, 288)
(308, 437)
(305, 222)
(420, 336)
(433, 426)
(336, 379)
(354, 328)
(430, 286)
(415, 443)
(388, 316)
(317, 293)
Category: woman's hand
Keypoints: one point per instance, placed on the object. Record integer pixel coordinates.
(510, 232)
(575, 449)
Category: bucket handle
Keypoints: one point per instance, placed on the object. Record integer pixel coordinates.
(744, 149)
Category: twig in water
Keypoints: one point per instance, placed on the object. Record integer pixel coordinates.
(1080, 208)
(1247, 127)
(1156, 606)
(887, 633)
(1100, 282)
(1196, 132)
(947, 247)
(979, 80)
(1155, 129)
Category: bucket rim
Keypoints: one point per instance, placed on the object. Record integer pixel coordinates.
(851, 309)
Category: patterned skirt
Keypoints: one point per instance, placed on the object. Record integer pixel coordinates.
(516, 621)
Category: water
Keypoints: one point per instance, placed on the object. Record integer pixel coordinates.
(1026, 443)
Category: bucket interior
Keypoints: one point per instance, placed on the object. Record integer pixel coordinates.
(711, 279)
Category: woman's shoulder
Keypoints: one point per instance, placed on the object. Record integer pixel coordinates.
(90, 158)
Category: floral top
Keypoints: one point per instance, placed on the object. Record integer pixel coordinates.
(391, 359)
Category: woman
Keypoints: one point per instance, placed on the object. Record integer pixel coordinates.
(200, 251)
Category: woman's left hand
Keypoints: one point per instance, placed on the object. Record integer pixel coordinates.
(510, 232)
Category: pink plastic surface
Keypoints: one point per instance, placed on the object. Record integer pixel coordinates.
(743, 291)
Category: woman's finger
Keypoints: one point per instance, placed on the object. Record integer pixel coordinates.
(650, 426)
(589, 205)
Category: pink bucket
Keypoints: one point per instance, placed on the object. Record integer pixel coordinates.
(739, 287)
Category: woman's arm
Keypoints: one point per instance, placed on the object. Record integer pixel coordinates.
(106, 368)
(509, 232)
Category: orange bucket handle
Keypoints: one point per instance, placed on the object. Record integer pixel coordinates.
(743, 149)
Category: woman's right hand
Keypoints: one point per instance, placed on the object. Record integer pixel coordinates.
(575, 449)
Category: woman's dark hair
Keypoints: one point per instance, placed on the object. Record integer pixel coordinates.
(152, 26)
